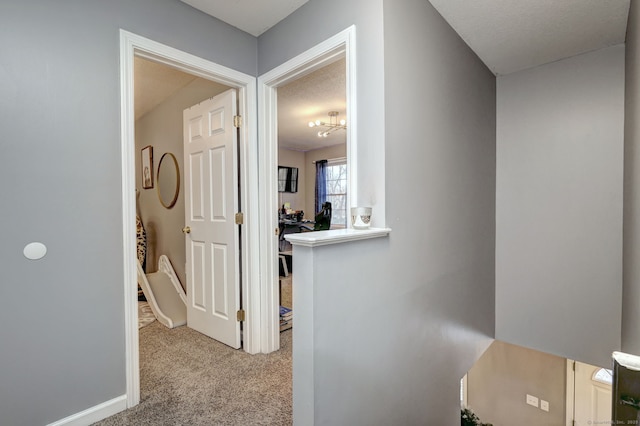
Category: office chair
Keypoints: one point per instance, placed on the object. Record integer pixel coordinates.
(323, 218)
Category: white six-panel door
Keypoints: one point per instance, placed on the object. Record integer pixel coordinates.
(211, 201)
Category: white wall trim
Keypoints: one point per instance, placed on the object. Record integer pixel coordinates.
(133, 45)
(328, 51)
(335, 236)
(127, 146)
(570, 392)
(95, 413)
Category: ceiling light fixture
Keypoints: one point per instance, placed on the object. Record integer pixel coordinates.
(331, 126)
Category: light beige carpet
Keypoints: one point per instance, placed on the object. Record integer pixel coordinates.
(189, 379)
(286, 297)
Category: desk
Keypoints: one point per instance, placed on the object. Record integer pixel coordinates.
(291, 227)
(287, 226)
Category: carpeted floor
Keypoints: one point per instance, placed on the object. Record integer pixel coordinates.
(187, 378)
(286, 298)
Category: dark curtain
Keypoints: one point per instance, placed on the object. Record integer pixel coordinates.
(321, 184)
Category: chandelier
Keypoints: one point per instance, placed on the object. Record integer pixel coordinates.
(327, 128)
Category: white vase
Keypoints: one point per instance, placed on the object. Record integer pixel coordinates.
(360, 217)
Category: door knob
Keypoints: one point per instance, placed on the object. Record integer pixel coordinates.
(186, 230)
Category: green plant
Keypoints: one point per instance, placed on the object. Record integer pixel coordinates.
(468, 418)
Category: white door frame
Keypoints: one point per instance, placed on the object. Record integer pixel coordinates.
(570, 392)
(343, 43)
(132, 45)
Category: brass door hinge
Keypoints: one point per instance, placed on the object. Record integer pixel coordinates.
(240, 315)
(239, 218)
(237, 120)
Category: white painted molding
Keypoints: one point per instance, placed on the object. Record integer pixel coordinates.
(191, 64)
(343, 43)
(268, 159)
(335, 236)
(132, 45)
(248, 108)
(127, 147)
(94, 414)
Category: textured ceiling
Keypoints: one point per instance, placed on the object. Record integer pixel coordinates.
(251, 16)
(310, 98)
(512, 35)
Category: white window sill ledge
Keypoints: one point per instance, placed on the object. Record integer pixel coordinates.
(335, 236)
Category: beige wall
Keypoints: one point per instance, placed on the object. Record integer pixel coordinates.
(335, 151)
(499, 382)
(304, 199)
(162, 129)
(290, 158)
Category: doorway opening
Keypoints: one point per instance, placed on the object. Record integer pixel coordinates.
(161, 93)
(131, 47)
(312, 165)
(337, 48)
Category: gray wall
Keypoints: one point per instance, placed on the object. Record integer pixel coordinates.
(499, 382)
(440, 164)
(307, 27)
(559, 206)
(631, 269)
(398, 321)
(62, 340)
(162, 129)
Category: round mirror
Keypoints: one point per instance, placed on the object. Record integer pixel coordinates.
(168, 180)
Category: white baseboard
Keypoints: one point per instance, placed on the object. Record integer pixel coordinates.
(95, 413)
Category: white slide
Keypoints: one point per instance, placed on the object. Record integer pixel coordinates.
(164, 293)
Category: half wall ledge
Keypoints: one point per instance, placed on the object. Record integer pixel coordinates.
(335, 236)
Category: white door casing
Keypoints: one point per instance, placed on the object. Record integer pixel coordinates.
(132, 45)
(211, 201)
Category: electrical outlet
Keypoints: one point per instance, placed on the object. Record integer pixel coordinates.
(544, 405)
(532, 400)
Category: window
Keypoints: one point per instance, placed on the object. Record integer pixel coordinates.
(603, 375)
(337, 192)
